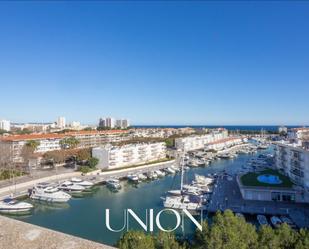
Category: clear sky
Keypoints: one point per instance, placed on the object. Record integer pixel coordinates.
(155, 62)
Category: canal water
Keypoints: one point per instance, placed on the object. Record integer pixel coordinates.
(85, 217)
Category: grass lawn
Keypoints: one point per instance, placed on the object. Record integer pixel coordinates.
(250, 179)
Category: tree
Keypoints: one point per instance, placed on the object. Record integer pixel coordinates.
(202, 237)
(302, 240)
(267, 238)
(166, 241)
(286, 236)
(93, 162)
(83, 154)
(56, 156)
(136, 240)
(69, 143)
(33, 144)
(228, 231)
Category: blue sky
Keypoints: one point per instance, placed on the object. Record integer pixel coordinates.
(155, 62)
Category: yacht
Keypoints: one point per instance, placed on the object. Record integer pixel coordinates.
(13, 206)
(46, 192)
(71, 187)
(78, 181)
(113, 184)
(133, 178)
(262, 220)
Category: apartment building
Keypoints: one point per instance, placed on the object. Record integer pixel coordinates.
(298, 134)
(293, 159)
(51, 141)
(224, 143)
(114, 123)
(5, 125)
(197, 142)
(131, 154)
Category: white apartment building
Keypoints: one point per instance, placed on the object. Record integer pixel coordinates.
(199, 141)
(293, 159)
(131, 154)
(5, 125)
(51, 141)
(224, 143)
(61, 123)
(298, 134)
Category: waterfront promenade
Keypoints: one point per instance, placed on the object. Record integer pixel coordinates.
(17, 234)
(97, 177)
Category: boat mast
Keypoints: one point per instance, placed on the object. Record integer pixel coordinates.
(182, 162)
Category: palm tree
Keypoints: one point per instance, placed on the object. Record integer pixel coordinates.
(69, 143)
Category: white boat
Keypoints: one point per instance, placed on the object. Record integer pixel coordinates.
(275, 221)
(159, 173)
(181, 202)
(133, 178)
(71, 187)
(187, 197)
(152, 175)
(262, 220)
(170, 170)
(142, 177)
(85, 184)
(45, 192)
(12, 206)
(114, 184)
(176, 169)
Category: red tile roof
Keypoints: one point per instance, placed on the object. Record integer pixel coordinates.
(58, 135)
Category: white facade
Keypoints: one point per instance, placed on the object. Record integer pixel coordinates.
(61, 122)
(294, 161)
(224, 143)
(127, 155)
(198, 142)
(5, 125)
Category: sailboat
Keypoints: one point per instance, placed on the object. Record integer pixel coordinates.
(181, 199)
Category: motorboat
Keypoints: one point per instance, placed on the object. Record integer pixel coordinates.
(133, 178)
(275, 221)
(180, 203)
(12, 206)
(69, 186)
(85, 184)
(152, 175)
(113, 184)
(170, 170)
(46, 192)
(262, 220)
(142, 177)
(159, 173)
(176, 169)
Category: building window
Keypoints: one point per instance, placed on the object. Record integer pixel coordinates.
(275, 196)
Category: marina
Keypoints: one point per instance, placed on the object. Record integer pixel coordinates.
(83, 216)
